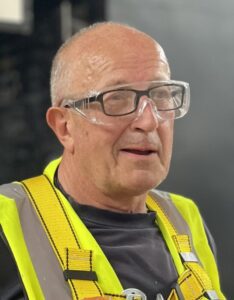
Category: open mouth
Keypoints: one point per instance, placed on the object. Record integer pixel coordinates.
(139, 152)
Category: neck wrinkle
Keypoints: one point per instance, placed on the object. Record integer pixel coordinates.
(88, 194)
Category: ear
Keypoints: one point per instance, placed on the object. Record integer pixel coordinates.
(59, 120)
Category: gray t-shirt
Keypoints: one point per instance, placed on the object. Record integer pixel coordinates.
(134, 246)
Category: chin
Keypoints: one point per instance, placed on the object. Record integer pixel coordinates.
(147, 180)
(143, 185)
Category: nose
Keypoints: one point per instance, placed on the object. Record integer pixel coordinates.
(147, 118)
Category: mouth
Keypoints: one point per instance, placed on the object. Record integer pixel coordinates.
(146, 152)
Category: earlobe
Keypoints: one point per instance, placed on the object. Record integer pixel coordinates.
(59, 121)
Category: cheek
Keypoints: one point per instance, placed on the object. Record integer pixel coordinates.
(86, 145)
(87, 155)
(81, 139)
(95, 144)
(166, 136)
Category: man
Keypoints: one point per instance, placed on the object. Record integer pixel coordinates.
(92, 227)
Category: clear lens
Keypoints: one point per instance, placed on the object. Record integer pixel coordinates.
(87, 106)
(92, 110)
(119, 102)
(170, 98)
(167, 97)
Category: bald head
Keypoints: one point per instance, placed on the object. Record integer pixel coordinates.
(81, 61)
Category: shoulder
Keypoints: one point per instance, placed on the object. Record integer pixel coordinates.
(200, 234)
(186, 206)
(184, 214)
(190, 212)
(12, 192)
(201, 238)
(177, 205)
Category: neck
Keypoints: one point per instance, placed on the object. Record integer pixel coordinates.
(84, 192)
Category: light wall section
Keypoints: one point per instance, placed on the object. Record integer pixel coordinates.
(198, 38)
(12, 11)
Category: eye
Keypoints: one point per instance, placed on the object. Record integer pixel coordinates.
(118, 95)
(119, 102)
(160, 93)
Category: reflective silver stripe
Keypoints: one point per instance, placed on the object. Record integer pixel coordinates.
(165, 202)
(188, 257)
(212, 295)
(46, 264)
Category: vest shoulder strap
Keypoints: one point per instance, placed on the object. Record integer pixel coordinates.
(76, 263)
(179, 239)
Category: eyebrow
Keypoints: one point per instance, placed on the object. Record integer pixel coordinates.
(116, 82)
(122, 82)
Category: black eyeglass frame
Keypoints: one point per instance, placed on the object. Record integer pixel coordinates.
(98, 97)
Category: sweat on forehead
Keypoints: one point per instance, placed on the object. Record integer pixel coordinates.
(87, 47)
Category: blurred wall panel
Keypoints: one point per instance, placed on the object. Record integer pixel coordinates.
(198, 37)
(27, 144)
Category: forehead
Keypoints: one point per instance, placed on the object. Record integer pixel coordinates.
(125, 56)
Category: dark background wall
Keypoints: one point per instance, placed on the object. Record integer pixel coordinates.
(198, 37)
(26, 54)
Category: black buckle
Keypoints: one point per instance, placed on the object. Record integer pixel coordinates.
(80, 275)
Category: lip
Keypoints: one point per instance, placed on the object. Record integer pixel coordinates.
(140, 152)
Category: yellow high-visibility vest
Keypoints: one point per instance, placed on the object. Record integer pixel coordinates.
(15, 215)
